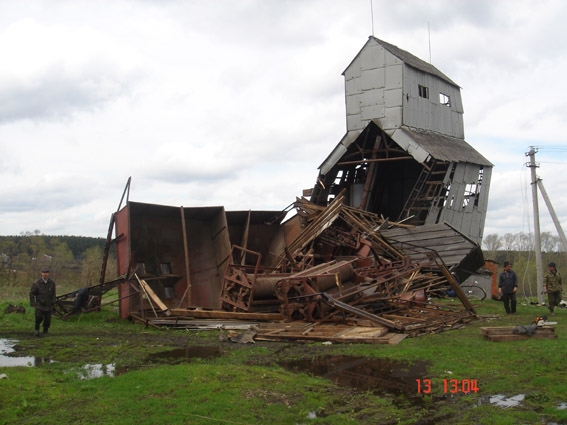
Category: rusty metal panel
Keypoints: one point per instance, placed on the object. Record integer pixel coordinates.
(123, 244)
(257, 235)
(209, 248)
(123, 258)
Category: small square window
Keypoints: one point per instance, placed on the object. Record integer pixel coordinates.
(423, 91)
(444, 99)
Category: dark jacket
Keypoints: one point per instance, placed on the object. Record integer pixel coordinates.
(42, 294)
(508, 281)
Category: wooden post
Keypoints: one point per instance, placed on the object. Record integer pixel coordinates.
(187, 269)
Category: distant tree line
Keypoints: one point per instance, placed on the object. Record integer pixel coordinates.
(518, 248)
(74, 261)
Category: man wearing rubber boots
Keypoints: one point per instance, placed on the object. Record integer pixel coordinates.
(553, 285)
(42, 298)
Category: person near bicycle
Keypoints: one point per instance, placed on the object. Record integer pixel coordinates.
(507, 287)
(553, 285)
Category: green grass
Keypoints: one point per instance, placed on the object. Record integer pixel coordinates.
(245, 385)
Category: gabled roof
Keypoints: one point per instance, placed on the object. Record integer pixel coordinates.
(409, 59)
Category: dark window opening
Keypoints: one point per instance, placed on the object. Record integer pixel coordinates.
(423, 91)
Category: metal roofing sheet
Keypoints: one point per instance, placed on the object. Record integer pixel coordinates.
(339, 151)
(451, 245)
(414, 61)
(444, 148)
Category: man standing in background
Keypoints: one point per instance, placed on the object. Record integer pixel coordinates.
(553, 285)
(507, 287)
(42, 298)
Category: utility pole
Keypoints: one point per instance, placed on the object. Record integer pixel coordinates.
(539, 267)
(553, 214)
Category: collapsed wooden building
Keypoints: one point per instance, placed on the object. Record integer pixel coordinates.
(395, 217)
(404, 155)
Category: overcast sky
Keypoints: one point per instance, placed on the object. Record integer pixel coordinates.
(236, 103)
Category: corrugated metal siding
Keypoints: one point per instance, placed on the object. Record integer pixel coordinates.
(468, 219)
(429, 114)
(380, 85)
(452, 247)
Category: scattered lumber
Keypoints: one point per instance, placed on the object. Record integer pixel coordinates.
(221, 314)
(332, 333)
(347, 276)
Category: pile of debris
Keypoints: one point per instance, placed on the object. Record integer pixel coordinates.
(346, 275)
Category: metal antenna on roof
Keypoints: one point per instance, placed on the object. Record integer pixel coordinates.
(429, 37)
(372, 16)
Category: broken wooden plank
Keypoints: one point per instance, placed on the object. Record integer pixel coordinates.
(335, 333)
(138, 319)
(506, 333)
(151, 294)
(504, 330)
(519, 337)
(221, 314)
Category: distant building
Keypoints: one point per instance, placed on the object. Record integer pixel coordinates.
(404, 155)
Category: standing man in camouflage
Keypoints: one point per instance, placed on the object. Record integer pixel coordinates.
(507, 287)
(42, 298)
(553, 285)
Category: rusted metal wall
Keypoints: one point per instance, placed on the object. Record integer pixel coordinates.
(123, 258)
(209, 250)
(153, 243)
(254, 230)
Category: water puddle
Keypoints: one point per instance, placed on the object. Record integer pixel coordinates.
(180, 355)
(93, 371)
(8, 360)
(502, 401)
(380, 376)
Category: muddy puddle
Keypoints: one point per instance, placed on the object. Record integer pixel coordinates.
(181, 355)
(7, 359)
(380, 376)
(98, 370)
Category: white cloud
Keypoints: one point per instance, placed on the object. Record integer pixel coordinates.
(238, 103)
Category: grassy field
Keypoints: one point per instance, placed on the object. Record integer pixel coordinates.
(246, 384)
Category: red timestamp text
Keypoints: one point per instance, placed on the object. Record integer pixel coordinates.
(453, 386)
